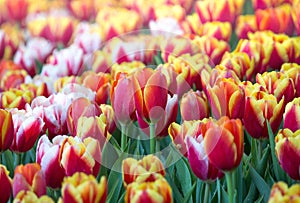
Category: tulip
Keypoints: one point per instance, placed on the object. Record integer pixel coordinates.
(95, 127)
(280, 192)
(6, 184)
(41, 90)
(7, 130)
(80, 107)
(13, 37)
(118, 71)
(240, 63)
(100, 83)
(296, 16)
(123, 104)
(217, 29)
(12, 79)
(113, 23)
(178, 133)
(54, 113)
(276, 47)
(29, 177)
(224, 136)
(212, 47)
(262, 107)
(287, 151)
(69, 59)
(36, 49)
(28, 196)
(132, 168)
(56, 29)
(197, 157)
(278, 20)
(194, 106)
(169, 116)
(293, 72)
(291, 119)
(177, 46)
(82, 10)
(166, 27)
(148, 85)
(264, 4)
(6, 66)
(223, 11)
(278, 84)
(187, 69)
(226, 98)
(78, 155)
(17, 10)
(157, 190)
(27, 128)
(245, 24)
(169, 11)
(48, 155)
(15, 98)
(83, 188)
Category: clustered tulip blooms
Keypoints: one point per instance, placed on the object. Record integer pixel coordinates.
(149, 101)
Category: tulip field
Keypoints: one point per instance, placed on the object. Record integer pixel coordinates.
(141, 101)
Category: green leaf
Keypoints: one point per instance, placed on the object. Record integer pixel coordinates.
(175, 191)
(277, 168)
(261, 185)
(262, 164)
(121, 200)
(251, 194)
(188, 195)
(183, 176)
(114, 182)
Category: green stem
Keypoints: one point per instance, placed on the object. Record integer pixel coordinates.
(206, 193)
(17, 159)
(230, 189)
(259, 148)
(1, 157)
(123, 137)
(152, 138)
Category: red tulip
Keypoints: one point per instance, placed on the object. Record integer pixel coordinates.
(6, 184)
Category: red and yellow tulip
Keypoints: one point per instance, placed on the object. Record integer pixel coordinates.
(287, 151)
(7, 129)
(81, 187)
(280, 192)
(6, 184)
(29, 177)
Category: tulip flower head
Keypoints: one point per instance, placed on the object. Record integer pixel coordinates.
(6, 184)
